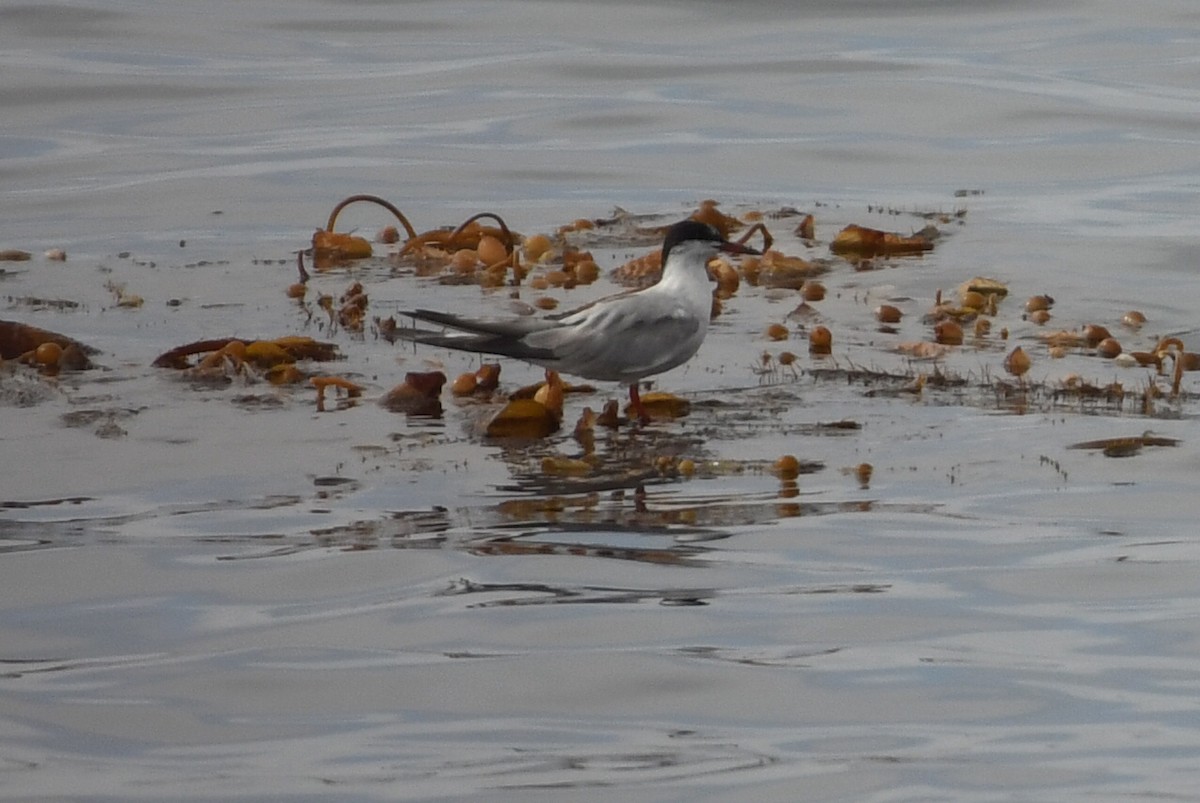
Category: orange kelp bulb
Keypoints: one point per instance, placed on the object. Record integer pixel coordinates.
(1093, 333)
(332, 246)
(73, 359)
(1108, 347)
(820, 340)
(488, 376)
(586, 271)
(536, 245)
(777, 331)
(948, 333)
(786, 467)
(1133, 319)
(973, 300)
(1017, 362)
(464, 385)
(490, 250)
(47, 354)
(236, 349)
(1038, 303)
(464, 259)
(807, 228)
(886, 313)
(812, 290)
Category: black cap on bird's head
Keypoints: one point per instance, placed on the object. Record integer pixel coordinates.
(690, 229)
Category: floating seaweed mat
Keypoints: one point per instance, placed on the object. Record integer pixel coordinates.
(492, 248)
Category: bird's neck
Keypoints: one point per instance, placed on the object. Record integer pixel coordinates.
(685, 271)
(687, 281)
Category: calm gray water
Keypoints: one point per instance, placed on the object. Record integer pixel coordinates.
(234, 596)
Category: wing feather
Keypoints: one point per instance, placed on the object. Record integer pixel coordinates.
(506, 327)
(588, 348)
(501, 337)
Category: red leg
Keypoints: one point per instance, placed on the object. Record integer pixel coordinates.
(635, 403)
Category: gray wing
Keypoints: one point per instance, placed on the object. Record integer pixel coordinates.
(505, 327)
(505, 337)
(621, 342)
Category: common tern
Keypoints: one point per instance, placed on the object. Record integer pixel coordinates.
(622, 338)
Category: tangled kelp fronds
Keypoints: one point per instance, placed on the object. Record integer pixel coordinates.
(804, 313)
(471, 251)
